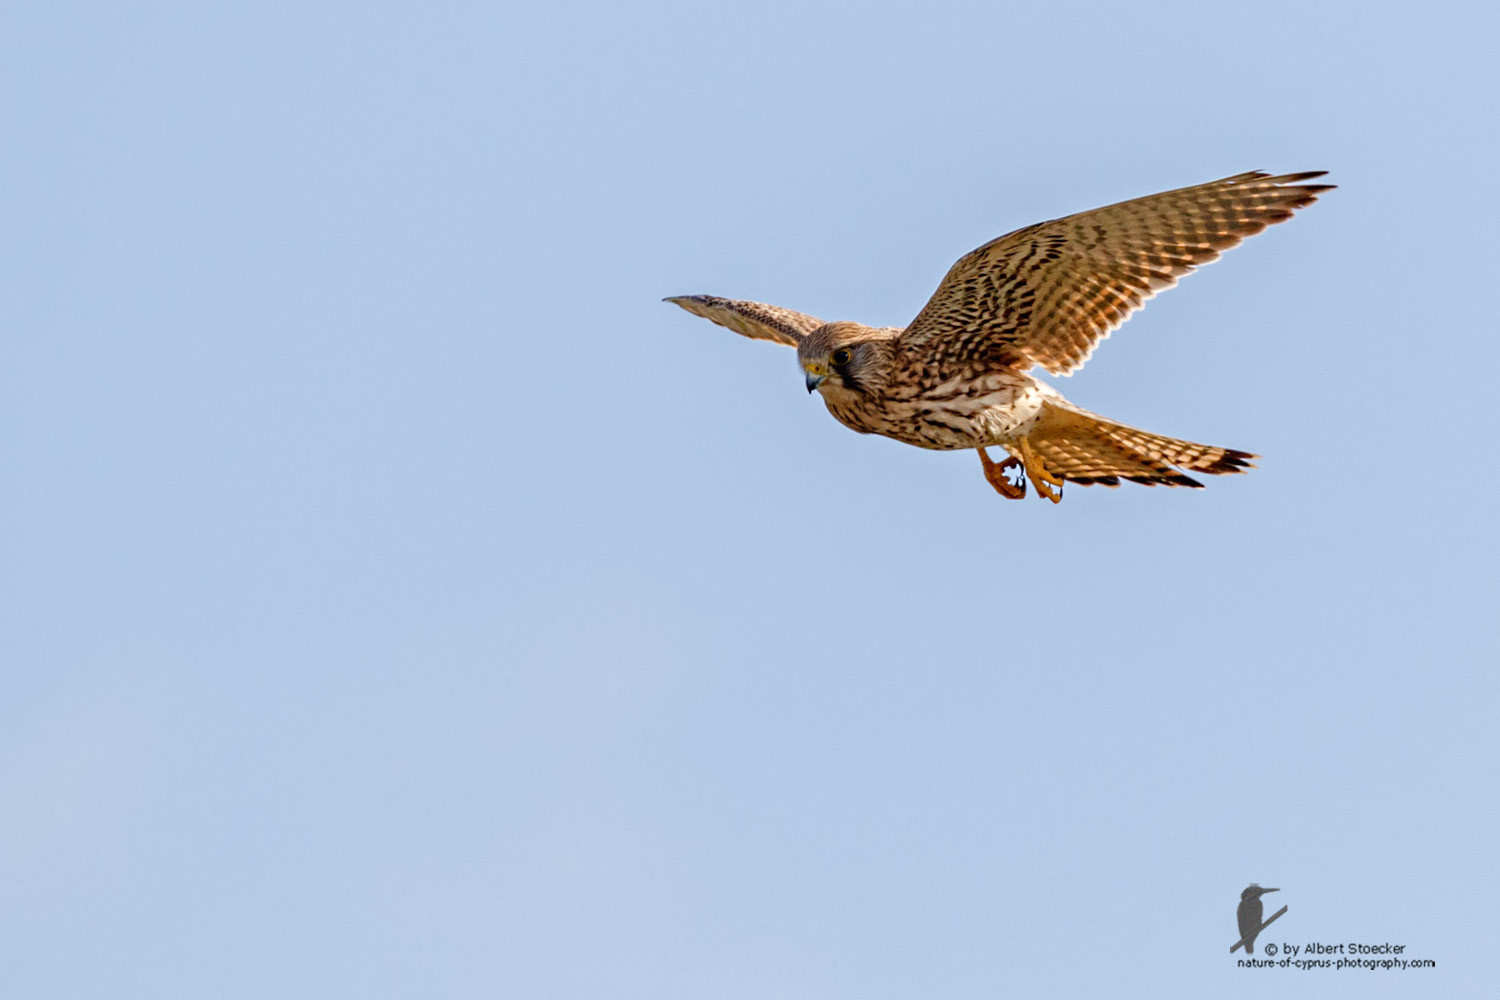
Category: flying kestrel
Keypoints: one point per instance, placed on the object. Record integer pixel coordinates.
(957, 377)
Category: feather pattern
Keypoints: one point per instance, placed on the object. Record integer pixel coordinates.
(756, 320)
(1047, 294)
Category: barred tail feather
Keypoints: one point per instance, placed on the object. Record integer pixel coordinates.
(1087, 449)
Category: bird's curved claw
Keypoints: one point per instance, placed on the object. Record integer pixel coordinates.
(994, 473)
(1037, 472)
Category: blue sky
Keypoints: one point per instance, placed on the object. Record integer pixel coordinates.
(399, 599)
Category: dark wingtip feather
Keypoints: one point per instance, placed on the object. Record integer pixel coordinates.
(1231, 462)
(1305, 175)
(1167, 479)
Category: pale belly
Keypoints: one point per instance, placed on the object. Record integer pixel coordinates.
(993, 410)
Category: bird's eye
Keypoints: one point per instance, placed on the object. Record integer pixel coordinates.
(841, 356)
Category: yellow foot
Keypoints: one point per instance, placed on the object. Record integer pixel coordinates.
(1038, 474)
(995, 472)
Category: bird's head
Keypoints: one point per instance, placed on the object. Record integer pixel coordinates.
(847, 359)
(1253, 891)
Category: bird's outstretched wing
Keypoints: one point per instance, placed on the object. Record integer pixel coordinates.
(1047, 294)
(752, 319)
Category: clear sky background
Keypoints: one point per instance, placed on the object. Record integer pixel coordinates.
(398, 599)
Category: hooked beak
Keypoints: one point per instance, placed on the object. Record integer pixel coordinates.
(814, 380)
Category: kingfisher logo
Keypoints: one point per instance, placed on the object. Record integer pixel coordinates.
(1249, 915)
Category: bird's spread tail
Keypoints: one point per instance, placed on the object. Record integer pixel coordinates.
(1085, 448)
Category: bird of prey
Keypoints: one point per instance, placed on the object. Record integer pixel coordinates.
(958, 376)
(1249, 914)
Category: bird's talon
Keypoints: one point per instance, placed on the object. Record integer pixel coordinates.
(994, 474)
(1038, 473)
